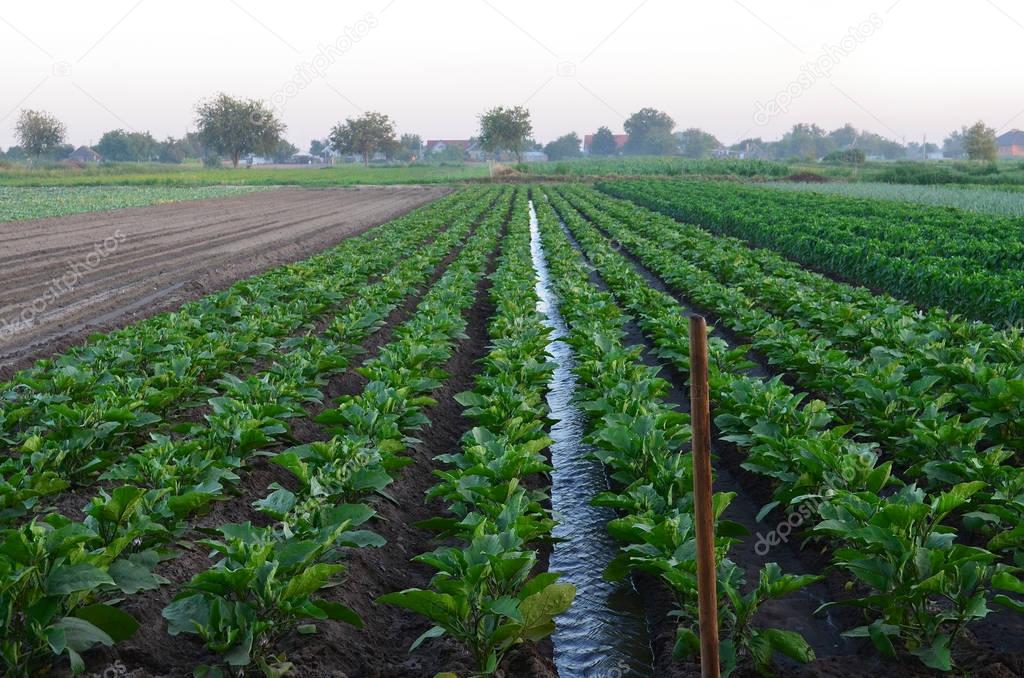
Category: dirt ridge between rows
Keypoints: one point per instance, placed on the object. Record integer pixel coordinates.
(316, 220)
(982, 651)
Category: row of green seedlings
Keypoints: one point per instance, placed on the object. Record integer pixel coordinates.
(69, 417)
(917, 586)
(486, 593)
(964, 262)
(926, 404)
(641, 440)
(929, 434)
(269, 581)
(60, 575)
(972, 358)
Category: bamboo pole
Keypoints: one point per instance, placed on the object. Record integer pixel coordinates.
(700, 415)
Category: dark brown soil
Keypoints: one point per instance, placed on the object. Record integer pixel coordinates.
(169, 254)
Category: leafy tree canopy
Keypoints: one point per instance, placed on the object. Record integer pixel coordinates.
(38, 132)
(565, 146)
(980, 142)
(365, 135)
(505, 129)
(650, 133)
(234, 127)
(603, 142)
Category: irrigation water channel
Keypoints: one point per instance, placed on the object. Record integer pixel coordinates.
(605, 633)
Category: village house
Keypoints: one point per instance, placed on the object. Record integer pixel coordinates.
(1011, 144)
(84, 154)
(620, 142)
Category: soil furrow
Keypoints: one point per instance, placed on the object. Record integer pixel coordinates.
(197, 272)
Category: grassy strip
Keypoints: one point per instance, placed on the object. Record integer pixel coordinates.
(36, 203)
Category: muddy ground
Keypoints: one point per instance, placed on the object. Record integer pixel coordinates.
(112, 268)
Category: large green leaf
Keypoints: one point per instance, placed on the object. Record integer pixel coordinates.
(438, 607)
(339, 612)
(65, 579)
(117, 624)
(551, 601)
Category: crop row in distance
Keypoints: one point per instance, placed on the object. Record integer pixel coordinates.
(18, 203)
(964, 262)
(1000, 201)
(845, 493)
(71, 575)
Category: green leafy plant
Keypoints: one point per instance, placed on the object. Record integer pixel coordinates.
(484, 597)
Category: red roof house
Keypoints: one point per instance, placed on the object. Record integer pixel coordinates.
(620, 141)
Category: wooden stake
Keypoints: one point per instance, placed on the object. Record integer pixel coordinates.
(700, 420)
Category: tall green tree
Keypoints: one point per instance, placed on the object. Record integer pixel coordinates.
(953, 145)
(234, 127)
(318, 146)
(409, 146)
(505, 129)
(284, 151)
(603, 142)
(413, 142)
(365, 135)
(696, 143)
(805, 141)
(650, 133)
(876, 144)
(38, 132)
(175, 151)
(121, 146)
(980, 142)
(843, 137)
(565, 146)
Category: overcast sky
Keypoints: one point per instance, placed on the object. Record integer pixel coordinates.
(736, 68)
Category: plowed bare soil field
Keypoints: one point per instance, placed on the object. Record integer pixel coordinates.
(63, 278)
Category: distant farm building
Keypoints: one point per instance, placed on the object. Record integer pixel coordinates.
(620, 142)
(84, 154)
(1011, 144)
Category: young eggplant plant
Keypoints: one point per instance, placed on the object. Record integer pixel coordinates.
(265, 578)
(484, 593)
(640, 438)
(834, 474)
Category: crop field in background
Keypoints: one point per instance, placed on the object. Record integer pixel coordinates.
(962, 261)
(36, 203)
(657, 165)
(63, 279)
(342, 465)
(158, 174)
(1004, 202)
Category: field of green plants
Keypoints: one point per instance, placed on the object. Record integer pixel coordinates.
(657, 165)
(1004, 202)
(36, 203)
(342, 466)
(962, 261)
(191, 175)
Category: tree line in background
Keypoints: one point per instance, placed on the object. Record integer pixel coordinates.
(234, 128)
